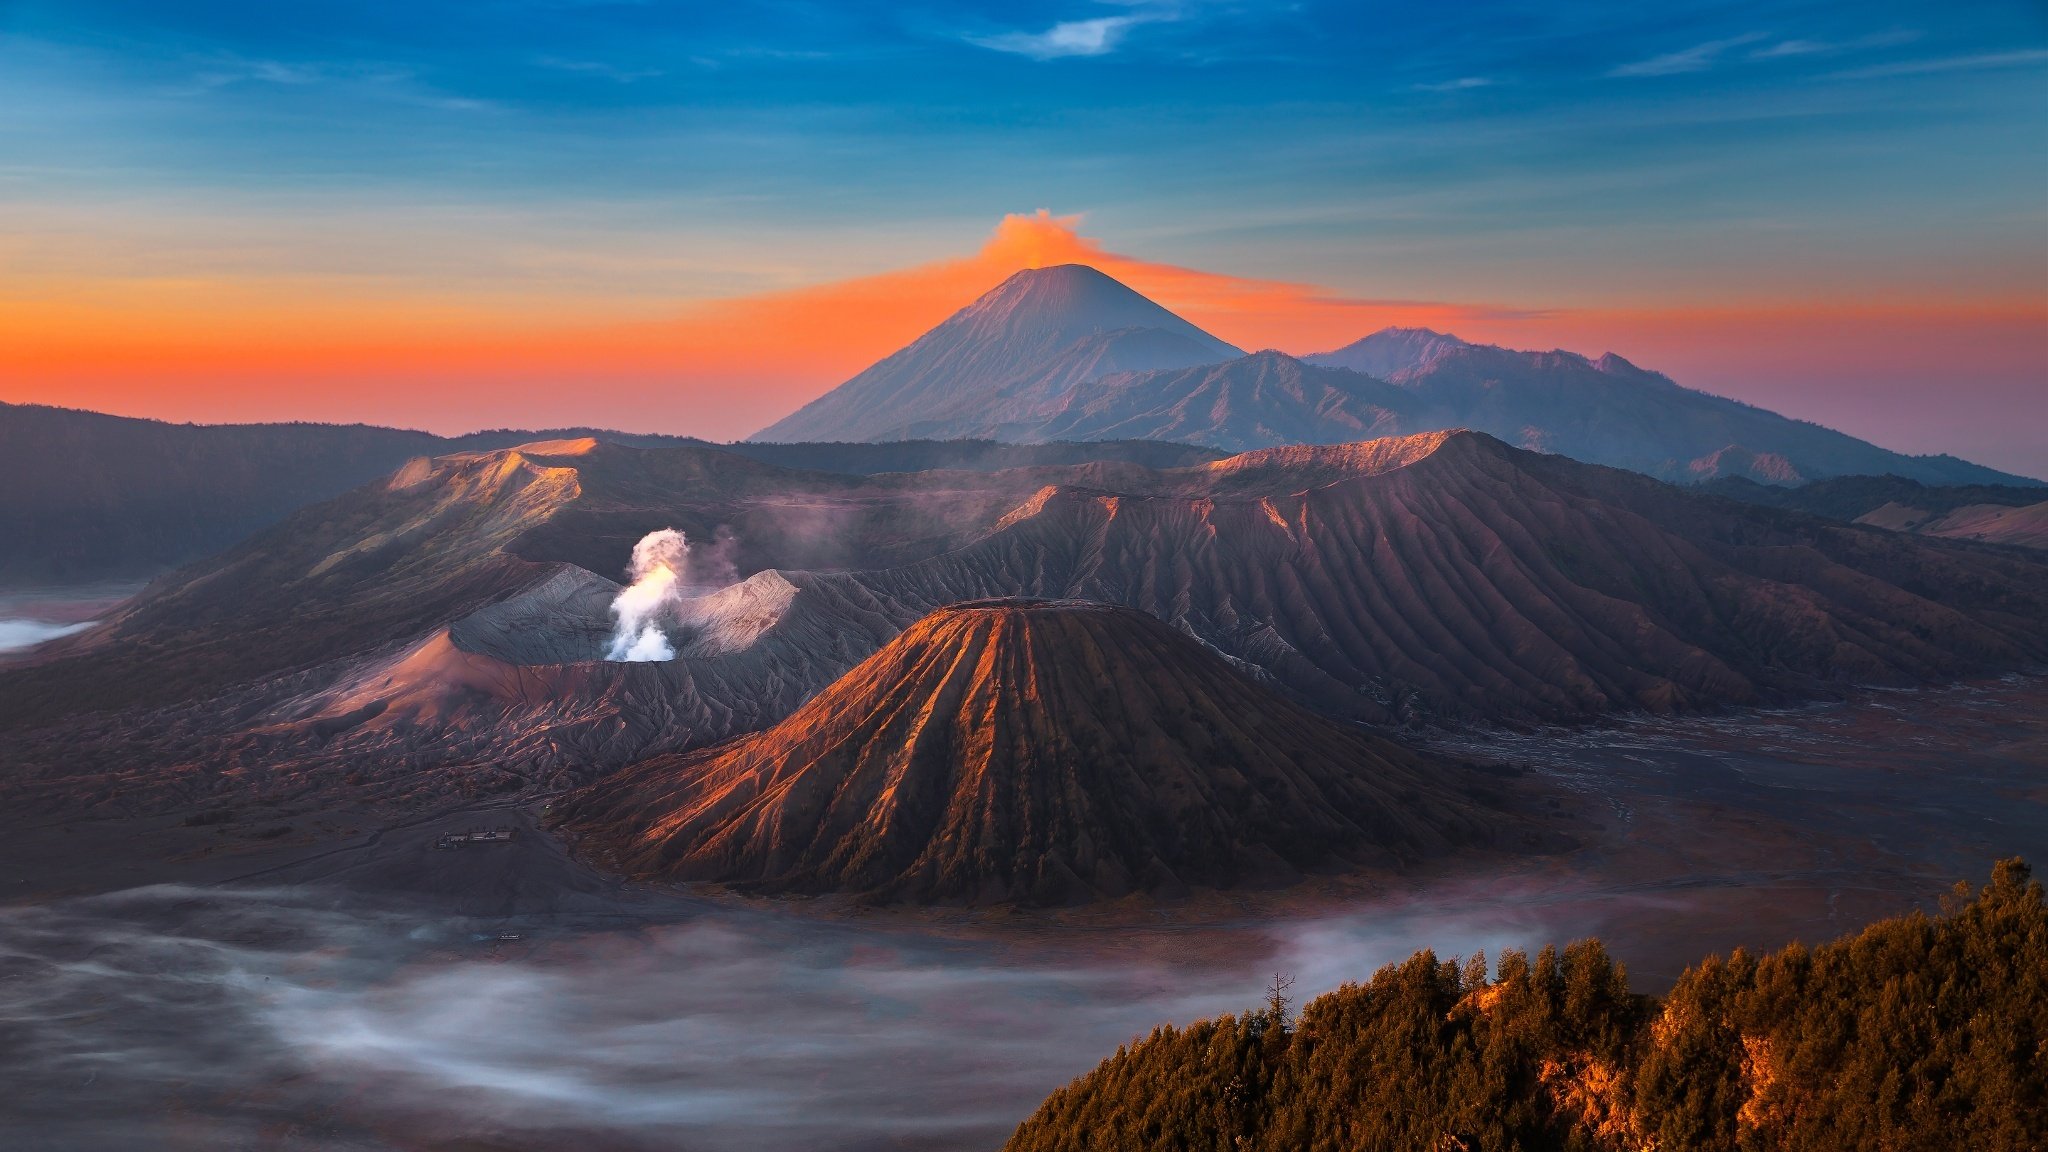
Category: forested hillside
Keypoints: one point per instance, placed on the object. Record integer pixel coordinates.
(1917, 1033)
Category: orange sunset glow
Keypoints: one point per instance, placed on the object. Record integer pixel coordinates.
(227, 349)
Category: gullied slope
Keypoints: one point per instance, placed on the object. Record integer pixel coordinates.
(438, 633)
(390, 560)
(1451, 576)
(1036, 335)
(1032, 751)
(1914, 1033)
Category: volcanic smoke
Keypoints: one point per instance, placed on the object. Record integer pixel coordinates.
(656, 591)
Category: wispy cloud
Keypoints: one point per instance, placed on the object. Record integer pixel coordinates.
(599, 68)
(357, 78)
(1947, 64)
(224, 71)
(1096, 37)
(1787, 49)
(1713, 53)
(1697, 58)
(1461, 84)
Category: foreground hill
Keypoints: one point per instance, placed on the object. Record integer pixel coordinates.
(1040, 752)
(1022, 344)
(1914, 1033)
(86, 497)
(445, 629)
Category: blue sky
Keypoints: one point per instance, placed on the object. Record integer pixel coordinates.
(1558, 154)
(1268, 135)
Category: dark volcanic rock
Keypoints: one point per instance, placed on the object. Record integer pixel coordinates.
(1030, 751)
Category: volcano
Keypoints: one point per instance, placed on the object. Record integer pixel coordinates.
(1017, 348)
(1068, 353)
(442, 632)
(1263, 399)
(1029, 751)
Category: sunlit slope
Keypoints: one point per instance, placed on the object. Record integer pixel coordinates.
(1916, 1032)
(1039, 751)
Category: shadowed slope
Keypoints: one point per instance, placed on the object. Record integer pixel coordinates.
(1265, 398)
(1032, 751)
(1601, 410)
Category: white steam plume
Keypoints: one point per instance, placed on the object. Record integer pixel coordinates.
(656, 590)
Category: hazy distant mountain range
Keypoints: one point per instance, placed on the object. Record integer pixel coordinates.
(1068, 353)
(1054, 366)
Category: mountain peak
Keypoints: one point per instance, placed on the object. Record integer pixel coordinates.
(1042, 331)
(1061, 274)
(1072, 300)
(1390, 351)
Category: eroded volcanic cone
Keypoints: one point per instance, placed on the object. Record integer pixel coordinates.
(1031, 751)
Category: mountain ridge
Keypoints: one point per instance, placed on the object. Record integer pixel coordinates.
(1604, 411)
(1441, 579)
(89, 497)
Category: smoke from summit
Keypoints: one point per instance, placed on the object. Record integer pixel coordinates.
(654, 595)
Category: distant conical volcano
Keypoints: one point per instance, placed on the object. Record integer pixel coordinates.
(1067, 353)
(1030, 751)
(1030, 338)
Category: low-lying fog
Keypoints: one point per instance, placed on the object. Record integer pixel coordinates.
(322, 1017)
(171, 1016)
(17, 633)
(29, 617)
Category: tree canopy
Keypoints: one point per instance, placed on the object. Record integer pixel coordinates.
(1917, 1033)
